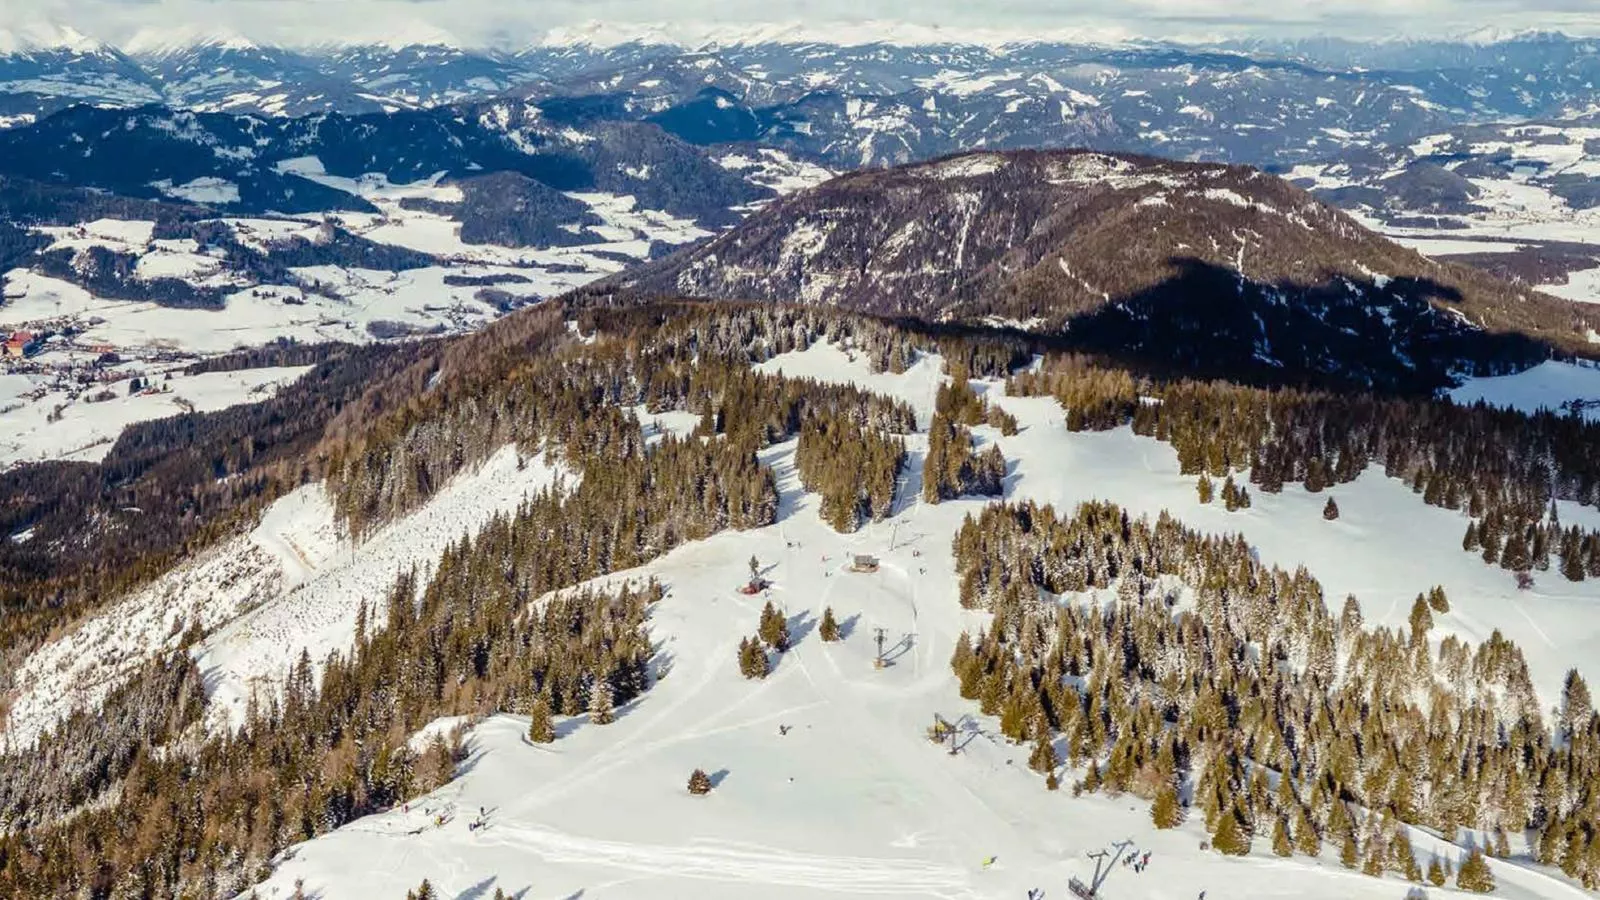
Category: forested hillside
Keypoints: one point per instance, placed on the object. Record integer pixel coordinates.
(1208, 676)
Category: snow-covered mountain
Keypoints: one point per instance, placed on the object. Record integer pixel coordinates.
(1156, 92)
(1224, 268)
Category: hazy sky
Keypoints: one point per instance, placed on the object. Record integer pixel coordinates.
(477, 20)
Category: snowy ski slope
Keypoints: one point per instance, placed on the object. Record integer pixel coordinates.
(853, 800)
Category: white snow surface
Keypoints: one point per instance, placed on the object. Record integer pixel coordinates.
(853, 800)
(294, 582)
(1550, 385)
(86, 428)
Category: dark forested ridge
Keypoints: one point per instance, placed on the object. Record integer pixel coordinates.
(1220, 271)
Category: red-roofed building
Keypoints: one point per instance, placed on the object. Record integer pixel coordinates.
(21, 343)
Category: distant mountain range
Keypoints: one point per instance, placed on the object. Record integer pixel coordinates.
(855, 101)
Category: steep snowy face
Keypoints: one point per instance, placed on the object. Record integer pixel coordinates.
(1221, 267)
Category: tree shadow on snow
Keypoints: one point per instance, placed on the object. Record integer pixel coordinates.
(1009, 481)
(848, 626)
(718, 777)
(800, 626)
(661, 662)
(477, 891)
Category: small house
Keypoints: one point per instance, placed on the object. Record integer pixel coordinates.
(864, 563)
(21, 344)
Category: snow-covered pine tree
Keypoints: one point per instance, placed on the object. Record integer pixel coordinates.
(1475, 874)
(602, 710)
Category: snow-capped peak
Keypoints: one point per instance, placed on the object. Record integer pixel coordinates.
(402, 34)
(1489, 35)
(33, 37)
(167, 41)
(697, 35)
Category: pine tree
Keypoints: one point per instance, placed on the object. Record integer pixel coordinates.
(1475, 874)
(1576, 704)
(1437, 600)
(1203, 486)
(1436, 875)
(1281, 843)
(1330, 510)
(1091, 778)
(1421, 620)
(829, 629)
(1372, 860)
(1230, 839)
(760, 667)
(1043, 758)
(541, 728)
(1572, 560)
(602, 710)
(1469, 541)
(424, 891)
(1166, 811)
(774, 628)
(1349, 854)
(699, 782)
(1306, 839)
(1515, 556)
(1405, 857)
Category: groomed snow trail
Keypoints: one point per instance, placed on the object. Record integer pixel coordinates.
(748, 865)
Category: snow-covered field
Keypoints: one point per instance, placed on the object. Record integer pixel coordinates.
(1549, 385)
(38, 423)
(853, 800)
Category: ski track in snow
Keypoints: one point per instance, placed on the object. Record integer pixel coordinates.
(748, 865)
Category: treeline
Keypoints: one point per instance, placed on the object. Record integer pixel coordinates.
(1272, 714)
(1501, 468)
(853, 467)
(686, 358)
(279, 352)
